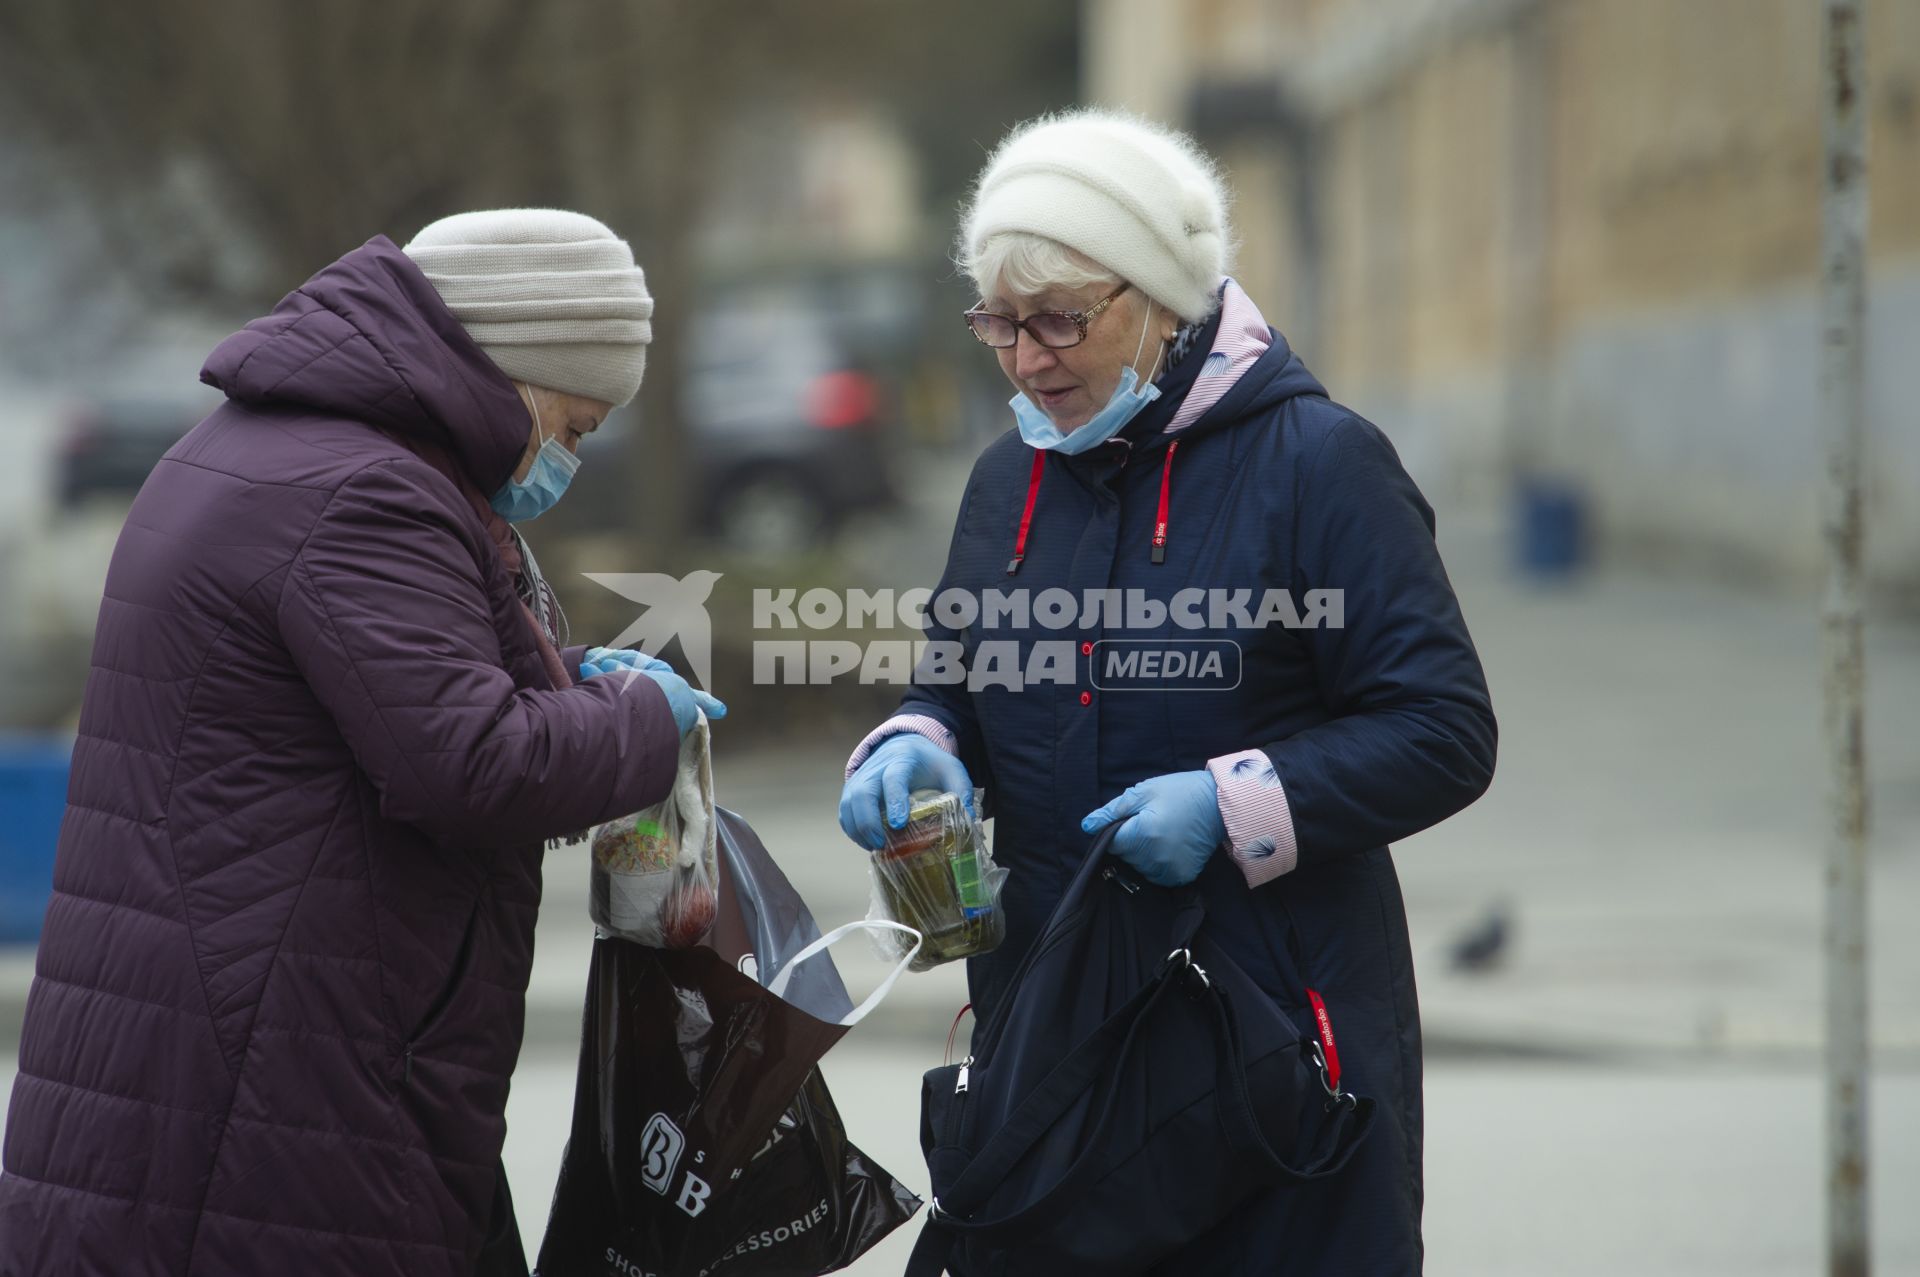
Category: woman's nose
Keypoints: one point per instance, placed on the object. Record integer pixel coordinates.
(1030, 357)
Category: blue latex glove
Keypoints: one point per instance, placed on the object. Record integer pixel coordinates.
(878, 789)
(616, 660)
(1172, 826)
(686, 701)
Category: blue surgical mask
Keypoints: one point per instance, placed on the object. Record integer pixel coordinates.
(547, 479)
(1128, 398)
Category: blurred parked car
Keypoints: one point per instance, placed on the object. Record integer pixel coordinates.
(785, 429)
(788, 430)
(111, 447)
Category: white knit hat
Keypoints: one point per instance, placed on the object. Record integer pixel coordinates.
(554, 298)
(1143, 201)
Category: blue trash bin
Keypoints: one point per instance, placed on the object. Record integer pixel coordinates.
(33, 798)
(1552, 541)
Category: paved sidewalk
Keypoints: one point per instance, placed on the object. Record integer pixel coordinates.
(1658, 823)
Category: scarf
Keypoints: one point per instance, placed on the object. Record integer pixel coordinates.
(537, 601)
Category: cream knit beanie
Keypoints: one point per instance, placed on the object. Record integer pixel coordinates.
(554, 298)
(1143, 201)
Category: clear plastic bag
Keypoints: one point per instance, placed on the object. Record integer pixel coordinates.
(936, 876)
(655, 876)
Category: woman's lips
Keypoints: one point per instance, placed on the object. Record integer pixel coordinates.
(1052, 398)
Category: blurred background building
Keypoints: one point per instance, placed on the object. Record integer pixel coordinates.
(1565, 252)
(1566, 242)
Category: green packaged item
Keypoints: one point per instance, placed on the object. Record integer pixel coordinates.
(936, 876)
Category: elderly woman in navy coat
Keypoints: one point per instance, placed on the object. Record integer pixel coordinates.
(1169, 445)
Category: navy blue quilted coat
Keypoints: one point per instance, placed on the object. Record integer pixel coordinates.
(280, 990)
(1377, 730)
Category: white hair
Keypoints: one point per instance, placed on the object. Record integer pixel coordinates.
(1025, 264)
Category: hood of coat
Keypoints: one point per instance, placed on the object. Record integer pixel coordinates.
(1277, 376)
(368, 338)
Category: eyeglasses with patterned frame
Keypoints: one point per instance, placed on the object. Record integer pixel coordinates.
(1054, 329)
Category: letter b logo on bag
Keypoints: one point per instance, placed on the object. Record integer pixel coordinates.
(661, 1145)
(694, 1194)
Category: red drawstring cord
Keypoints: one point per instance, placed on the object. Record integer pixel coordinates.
(1026, 516)
(955, 1031)
(1033, 494)
(1160, 519)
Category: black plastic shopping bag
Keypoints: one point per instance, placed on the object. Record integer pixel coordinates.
(704, 1140)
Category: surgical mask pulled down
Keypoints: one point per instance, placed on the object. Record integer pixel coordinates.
(1128, 398)
(547, 478)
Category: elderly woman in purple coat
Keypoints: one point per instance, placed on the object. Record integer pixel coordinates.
(330, 722)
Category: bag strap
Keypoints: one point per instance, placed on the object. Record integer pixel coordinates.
(1242, 1127)
(1071, 1078)
(778, 988)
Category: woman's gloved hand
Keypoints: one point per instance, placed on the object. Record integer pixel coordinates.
(615, 660)
(1172, 825)
(877, 791)
(686, 701)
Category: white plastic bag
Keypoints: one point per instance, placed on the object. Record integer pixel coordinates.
(654, 872)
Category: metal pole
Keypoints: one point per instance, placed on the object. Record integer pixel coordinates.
(1529, 164)
(1843, 260)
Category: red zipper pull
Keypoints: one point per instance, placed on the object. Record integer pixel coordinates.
(1324, 1023)
(1160, 519)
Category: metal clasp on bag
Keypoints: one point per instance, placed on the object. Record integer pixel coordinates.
(1185, 958)
(1335, 1096)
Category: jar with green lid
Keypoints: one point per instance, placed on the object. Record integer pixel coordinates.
(935, 876)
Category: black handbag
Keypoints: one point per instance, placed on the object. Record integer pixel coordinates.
(1132, 1089)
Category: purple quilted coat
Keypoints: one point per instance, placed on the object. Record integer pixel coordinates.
(281, 986)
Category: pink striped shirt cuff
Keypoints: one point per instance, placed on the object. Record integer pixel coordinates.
(1253, 806)
(919, 724)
